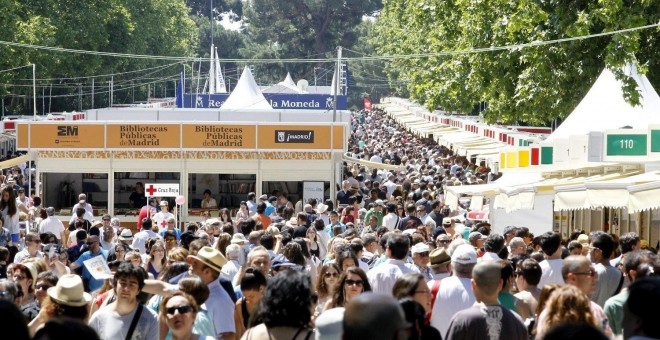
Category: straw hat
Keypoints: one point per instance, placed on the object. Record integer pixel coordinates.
(210, 257)
(70, 291)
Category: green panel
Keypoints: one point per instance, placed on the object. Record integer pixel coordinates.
(626, 144)
(655, 140)
(546, 155)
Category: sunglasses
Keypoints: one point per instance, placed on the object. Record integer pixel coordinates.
(331, 274)
(182, 309)
(353, 282)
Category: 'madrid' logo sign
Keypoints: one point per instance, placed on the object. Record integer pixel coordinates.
(294, 136)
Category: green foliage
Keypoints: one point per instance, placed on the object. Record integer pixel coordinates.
(156, 27)
(535, 84)
(301, 28)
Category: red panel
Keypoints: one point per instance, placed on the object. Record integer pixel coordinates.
(10, 125)
(535, 156)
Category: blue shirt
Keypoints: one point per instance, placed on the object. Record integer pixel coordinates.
(329, 227)
(94, 284)
(176, 231)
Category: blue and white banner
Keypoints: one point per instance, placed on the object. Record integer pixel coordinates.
(277, 101)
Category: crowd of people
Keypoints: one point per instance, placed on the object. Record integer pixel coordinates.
(384, 259)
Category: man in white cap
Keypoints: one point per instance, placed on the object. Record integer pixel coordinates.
(82, 203)
(420, 255)
(455, 292)
(52, 224)
(126, 237)
(163, 215)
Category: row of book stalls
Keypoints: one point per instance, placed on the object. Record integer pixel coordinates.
(599, 170)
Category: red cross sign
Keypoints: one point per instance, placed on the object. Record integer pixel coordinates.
(151, 190)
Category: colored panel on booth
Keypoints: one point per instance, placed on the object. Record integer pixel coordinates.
(66, 136)
(523, 158)
(546, 154)
(502, 159)
(144, 136)
(511, 159)
(534, 159)
(220, 136)
(626, 144)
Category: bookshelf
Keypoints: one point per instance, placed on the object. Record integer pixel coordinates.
(227, 189)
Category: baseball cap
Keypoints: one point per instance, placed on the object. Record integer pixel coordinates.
(475, 235)
(464, 254)
(420, 247)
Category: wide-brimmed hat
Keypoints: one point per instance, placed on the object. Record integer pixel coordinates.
(238, 238)
(70, 291)
(210, 257)
(321, 208)
(439, 256)
(126, 235)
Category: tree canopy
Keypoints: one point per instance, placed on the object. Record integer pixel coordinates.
(533, 84)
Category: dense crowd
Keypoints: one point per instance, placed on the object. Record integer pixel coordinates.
(384, 259)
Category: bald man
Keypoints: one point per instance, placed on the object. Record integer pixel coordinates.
(578, 271)
(373, 316)
(487, 316)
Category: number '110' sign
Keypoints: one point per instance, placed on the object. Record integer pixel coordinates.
(627, 144)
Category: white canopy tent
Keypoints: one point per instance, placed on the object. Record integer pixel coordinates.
(604, 107)
(246, 95)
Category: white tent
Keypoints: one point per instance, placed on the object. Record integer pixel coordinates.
(246, 95)
(285, 86)
(604, 107)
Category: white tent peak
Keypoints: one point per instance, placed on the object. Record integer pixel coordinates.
(246, 95)
(604, 107)
(288, 80)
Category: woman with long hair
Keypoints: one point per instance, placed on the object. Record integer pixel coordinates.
(225, 216)
(25, 275)
(413, 285)
(352, 282)
(285, 309)
(314, 246)
(222, 242)
(10, 214)
(326, 283)
(157, 260)
(346, 259)
(253, 284)
(243, 214)
(567, 304)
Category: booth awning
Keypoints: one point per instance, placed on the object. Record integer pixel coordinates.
(14, 162)
(634, 191)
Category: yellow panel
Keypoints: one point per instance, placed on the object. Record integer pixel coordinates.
(523, 158)
(512, 159)
(503, 160)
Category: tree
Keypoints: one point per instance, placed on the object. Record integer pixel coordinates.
(532, 84)
(157, 27)
(303, 28)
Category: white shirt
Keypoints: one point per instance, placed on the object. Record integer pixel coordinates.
(382, 278)
(488, 256)
(23, 254)
(88, 208)
(88, 216)
(141, 238)
(363, 265)
(551, 272)
(161, 219)
(390, 221)
(455, 294)
(52, 225)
